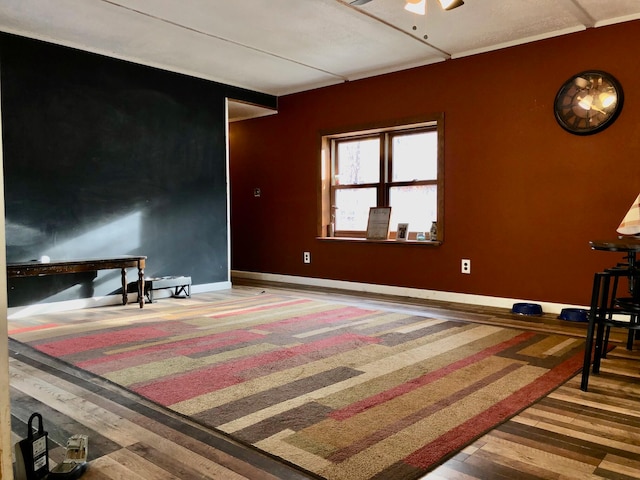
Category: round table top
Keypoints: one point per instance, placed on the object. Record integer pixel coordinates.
(625, 244)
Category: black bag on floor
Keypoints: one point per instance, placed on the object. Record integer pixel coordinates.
(32, 453)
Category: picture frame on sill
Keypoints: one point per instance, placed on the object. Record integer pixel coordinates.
(378, 223)
(402, 232)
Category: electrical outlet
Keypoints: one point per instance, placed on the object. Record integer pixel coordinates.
(465, 266)
(306, 257)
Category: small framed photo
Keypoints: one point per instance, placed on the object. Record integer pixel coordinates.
(402, 232)
(378, 224)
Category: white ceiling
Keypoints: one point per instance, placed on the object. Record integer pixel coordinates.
(285, 46)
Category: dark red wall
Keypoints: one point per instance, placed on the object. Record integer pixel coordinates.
(522, 196)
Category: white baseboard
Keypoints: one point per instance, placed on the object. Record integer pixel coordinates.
(484, 300)
(67, 305)
(210, 287)
(499, 302)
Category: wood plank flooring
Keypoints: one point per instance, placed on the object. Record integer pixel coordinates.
(568, 434)
(128, 437)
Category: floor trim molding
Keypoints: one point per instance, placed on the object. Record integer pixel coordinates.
(370, 288)
(103, 301)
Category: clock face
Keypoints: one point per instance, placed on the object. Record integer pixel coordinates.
(588, 102)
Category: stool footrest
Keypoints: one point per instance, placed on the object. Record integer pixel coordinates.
(628, 304)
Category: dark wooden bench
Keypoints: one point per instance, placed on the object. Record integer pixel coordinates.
(57, 267)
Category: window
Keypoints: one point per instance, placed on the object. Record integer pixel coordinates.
(398, 166)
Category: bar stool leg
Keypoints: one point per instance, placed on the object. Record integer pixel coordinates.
(593, 314)
(614, 291)
(602, 312)
(588, 352)
(599, 348)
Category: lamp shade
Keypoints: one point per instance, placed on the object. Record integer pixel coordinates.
(450, 4)
(416, 6)
(631, 222)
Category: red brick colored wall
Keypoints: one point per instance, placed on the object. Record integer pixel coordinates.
(522, 196)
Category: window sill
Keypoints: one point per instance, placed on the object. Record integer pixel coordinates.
(391, 241)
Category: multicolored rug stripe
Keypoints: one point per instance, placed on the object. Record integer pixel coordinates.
(345, 392)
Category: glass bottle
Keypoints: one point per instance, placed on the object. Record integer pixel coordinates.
(433, 233)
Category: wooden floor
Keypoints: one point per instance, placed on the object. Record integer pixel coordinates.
(569, 434)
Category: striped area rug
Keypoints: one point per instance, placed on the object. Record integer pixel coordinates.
(343, 392)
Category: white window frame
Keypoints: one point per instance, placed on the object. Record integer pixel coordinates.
(386, 132)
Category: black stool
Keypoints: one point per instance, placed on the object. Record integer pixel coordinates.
(181, 284)
(604, 306)
(623, 270)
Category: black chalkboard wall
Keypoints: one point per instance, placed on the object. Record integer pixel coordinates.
(103, 158)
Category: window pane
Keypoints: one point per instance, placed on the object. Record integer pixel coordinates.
(358, 162)
(415, 157)
(352, 212)
(416, 205)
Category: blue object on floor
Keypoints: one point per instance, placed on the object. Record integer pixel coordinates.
(526, 309)
(574, 314)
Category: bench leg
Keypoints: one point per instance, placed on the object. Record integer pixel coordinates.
(123, 275)
(141, 286)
